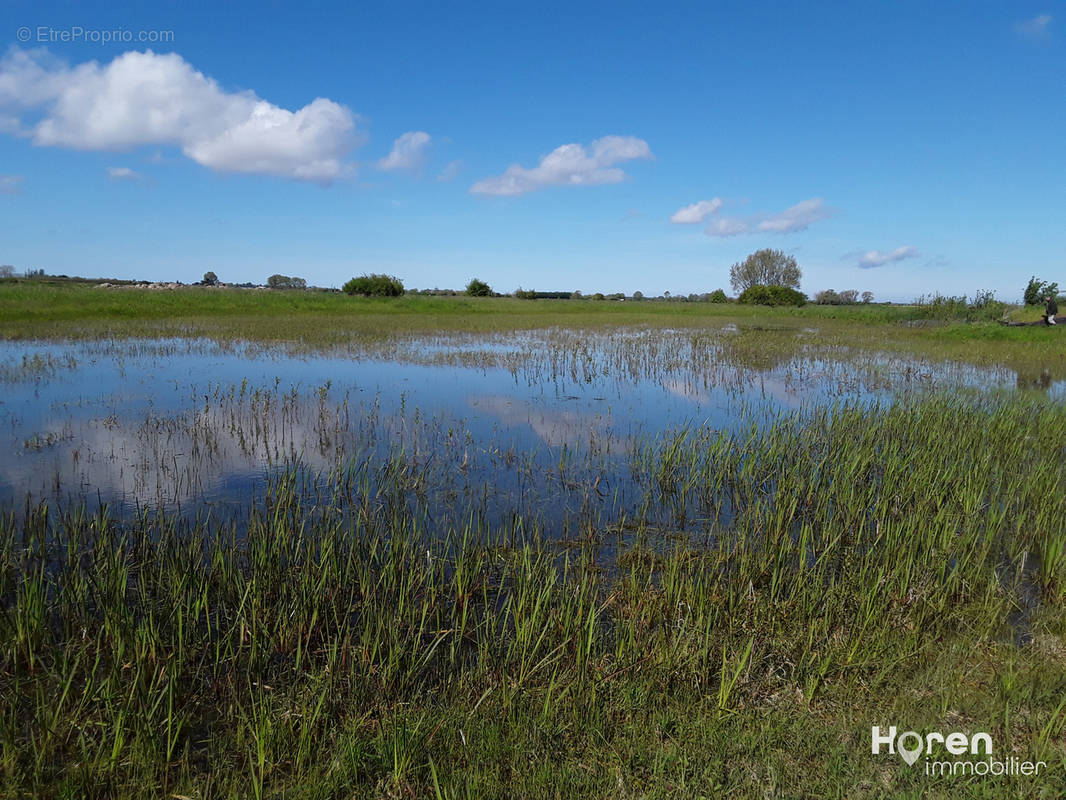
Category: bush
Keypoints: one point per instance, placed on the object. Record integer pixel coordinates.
(717, 296)
(1037, 290)
(478, 288)
(286, 282)
(848, 297)
(210, 279)
(772, 296)
(983, 307)
(374, 286)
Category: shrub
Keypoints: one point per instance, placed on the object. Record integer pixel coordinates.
(1037, 290)
(983, 307)
(848, 297)
(210, 279)
(374, 285)
(478, 288)
(286, 282)
(717, 296)
(772, 296)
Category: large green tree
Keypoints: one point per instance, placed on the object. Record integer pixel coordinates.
(765, 268)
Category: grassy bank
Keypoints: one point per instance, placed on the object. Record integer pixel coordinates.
(332, 320)
(889, 566)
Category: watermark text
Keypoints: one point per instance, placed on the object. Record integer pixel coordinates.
(76, 34)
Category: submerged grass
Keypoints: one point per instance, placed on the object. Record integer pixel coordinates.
(877, 566)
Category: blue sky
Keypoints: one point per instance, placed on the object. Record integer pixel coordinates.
(901, 148)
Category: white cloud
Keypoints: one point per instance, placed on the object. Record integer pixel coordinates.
(123, 174)
(796, 218)
(160, 99)
(727, 226)
(10, 184)
(450, 172)
(697, 212)
(408, 151)
(569, 165)
(1036, 27)
(876, 258)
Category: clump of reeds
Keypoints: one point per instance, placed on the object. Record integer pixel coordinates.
(336, 641)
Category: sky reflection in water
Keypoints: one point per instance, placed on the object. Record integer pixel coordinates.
(492, 422)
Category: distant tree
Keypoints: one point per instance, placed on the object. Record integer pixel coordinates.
(7, 271)
(478, 288)
(286, 282)
(827, 297)
(638, 295)
(849, 296)
(576, 294)
(718, 296)
(375, 285)
(597, 296)
(210, 279)
(765, 268)
(772, 296)
(1037, 290)
(867, 297)
(35, 273)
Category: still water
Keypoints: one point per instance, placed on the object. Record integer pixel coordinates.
(532, 420)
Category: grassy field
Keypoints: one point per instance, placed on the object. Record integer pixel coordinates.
(323, 319)
(900, 564)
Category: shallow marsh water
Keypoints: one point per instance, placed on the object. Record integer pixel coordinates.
(495, 425)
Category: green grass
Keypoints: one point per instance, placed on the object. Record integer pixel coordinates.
(855, 566)
(321, 320)
(899, 565)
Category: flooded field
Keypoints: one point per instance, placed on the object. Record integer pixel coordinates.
(229, 569)
(554, 420)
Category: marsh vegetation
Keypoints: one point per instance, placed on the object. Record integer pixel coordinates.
(667, 555)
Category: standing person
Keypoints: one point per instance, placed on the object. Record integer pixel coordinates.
(1051, 309)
